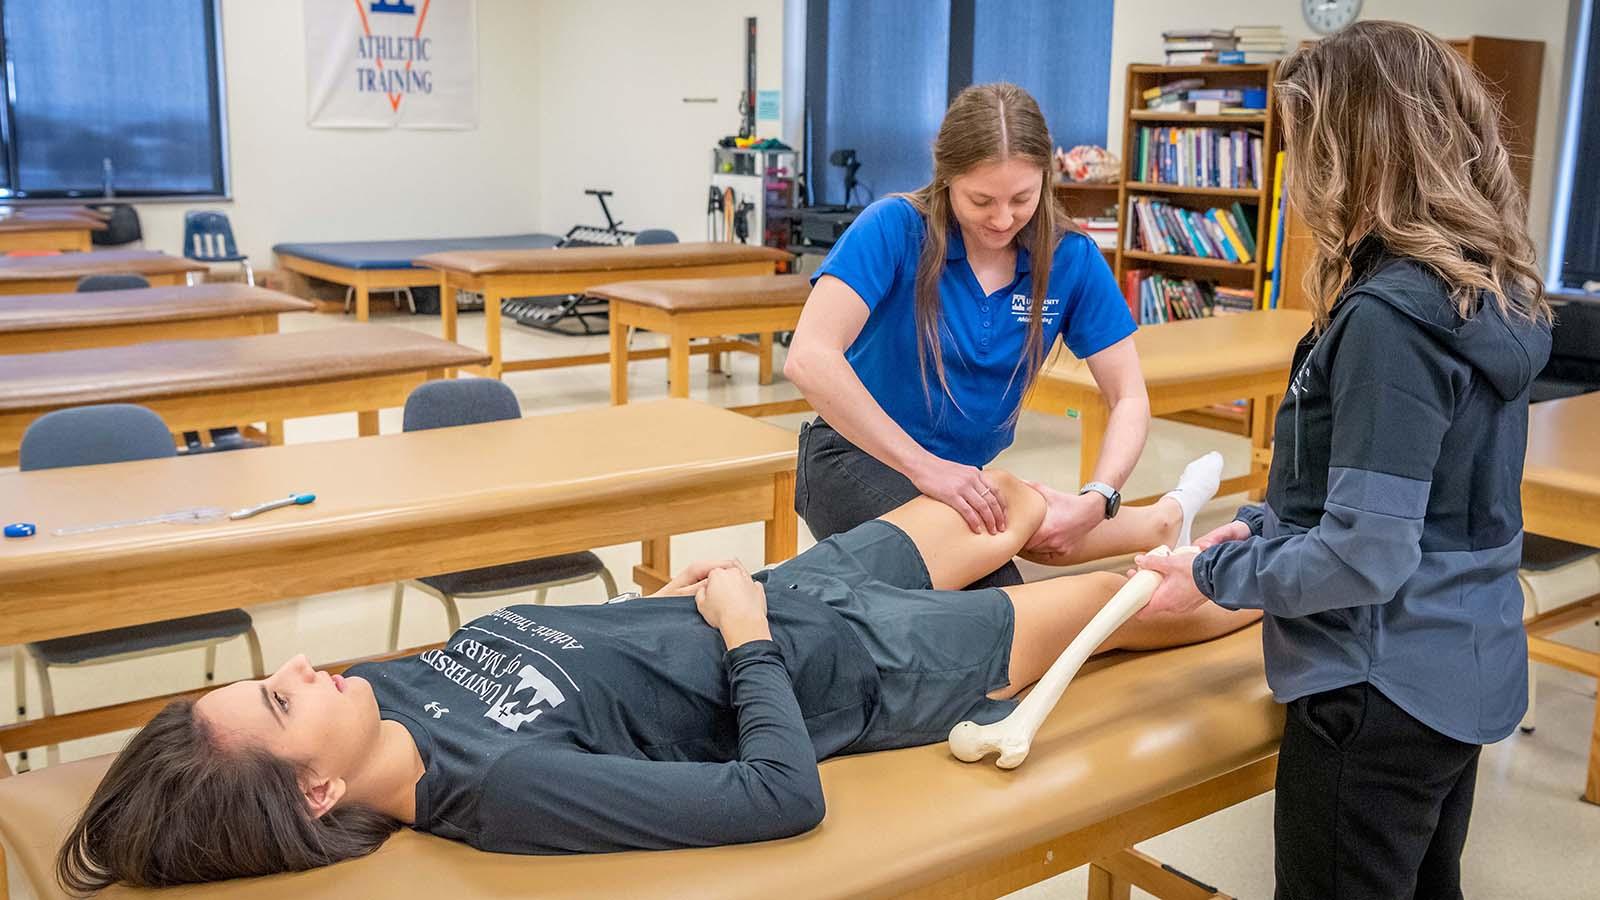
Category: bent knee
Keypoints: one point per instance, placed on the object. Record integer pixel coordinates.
(1107, 583)
(1024, 506)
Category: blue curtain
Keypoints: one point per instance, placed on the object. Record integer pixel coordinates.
(1580, 261)
(135, 83)
(887, 65)
(1059, 51)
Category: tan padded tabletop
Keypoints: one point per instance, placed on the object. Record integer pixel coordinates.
(82, 212)
(601, 259)
(98, 262)
(691, 294)
(1179, 352)
(130, 374)
(1132, 729)
(1562, 439)
(55, 221)
(49, 312)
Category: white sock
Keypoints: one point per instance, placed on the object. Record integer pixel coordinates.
(1196, 486)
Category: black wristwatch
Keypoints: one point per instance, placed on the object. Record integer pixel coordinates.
(1112, 495)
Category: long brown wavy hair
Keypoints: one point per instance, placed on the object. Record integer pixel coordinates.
(1391, 135)
(986, 123)
(177, 807)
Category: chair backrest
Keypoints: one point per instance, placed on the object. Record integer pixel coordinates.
(122, 228)
(448, 402)
(91, 283)
(208, 236)
(90, 435)
(655, 236)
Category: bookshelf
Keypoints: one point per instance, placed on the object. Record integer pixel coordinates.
(1512, 69)
(1087, 199)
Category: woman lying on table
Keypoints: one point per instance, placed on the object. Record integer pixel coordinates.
(628, 725)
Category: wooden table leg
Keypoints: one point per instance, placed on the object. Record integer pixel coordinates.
(714, 362)
(764, 360)
(363, 302)
(1105, 886)
(1263, 411)
(655, 563)
(678, 366)
(275, 433)
(367, 422)
(1093, 417)
(491, 328)
(447, 307)
(1591, 791)
(783, 529)
(619, 360)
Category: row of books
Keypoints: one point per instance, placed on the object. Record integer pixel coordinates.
(1101, 229)
(1154, 297)
(1240, 44)
(1160, 227)
(1200, 157)
(1192, 95)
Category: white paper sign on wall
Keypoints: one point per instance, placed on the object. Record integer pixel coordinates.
(391, 63)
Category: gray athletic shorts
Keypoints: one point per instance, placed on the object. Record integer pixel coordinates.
(938, 653)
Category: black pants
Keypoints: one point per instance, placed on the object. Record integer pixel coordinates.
(1371, 803)
(838, 486)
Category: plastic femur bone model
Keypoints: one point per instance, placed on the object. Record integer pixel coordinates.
(1013, 735)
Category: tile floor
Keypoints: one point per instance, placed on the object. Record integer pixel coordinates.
(1531, 836)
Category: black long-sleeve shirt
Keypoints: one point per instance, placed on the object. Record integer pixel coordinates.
(627, 726)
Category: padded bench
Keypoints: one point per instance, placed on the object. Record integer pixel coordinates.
(59, 274)
(47, 322)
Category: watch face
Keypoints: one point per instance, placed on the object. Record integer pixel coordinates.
(1328, 16)
(1113, 503)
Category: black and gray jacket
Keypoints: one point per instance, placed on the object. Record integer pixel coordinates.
(1387, 550)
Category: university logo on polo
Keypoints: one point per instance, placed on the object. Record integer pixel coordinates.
(1022, 308)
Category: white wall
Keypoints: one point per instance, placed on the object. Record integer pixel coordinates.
(296, 183)
(1136, 37)
(612, 78)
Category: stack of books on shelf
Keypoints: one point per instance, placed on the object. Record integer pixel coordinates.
(1190, 95)
(1254, 44)
(1219, 234)
(1102, 229)
(1231, 301)
(1155, 298)
(1199, 157)
(1194, 46)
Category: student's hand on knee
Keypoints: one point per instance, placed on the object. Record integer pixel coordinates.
(1177, 593)
(966, 490)
(734, 604)
(1067, 518)
(693, 576)
(1233, 531)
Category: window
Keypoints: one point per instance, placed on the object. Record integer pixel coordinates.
(1575, 226)
(879, 74)
(100, 93)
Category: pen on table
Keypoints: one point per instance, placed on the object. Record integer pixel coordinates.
(291, 500)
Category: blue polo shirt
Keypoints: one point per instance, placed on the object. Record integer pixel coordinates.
(983, 335)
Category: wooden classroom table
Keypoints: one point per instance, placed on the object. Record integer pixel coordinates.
(500, 274)
(1561, 499)
(1188, 365)
(683, 309)
(388, 508)
(48, 322)
(59, 274)
(195, 385)
(52, 231)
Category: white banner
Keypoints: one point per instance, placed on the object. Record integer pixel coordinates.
(391, 63)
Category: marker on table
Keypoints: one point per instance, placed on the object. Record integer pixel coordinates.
(291, 500)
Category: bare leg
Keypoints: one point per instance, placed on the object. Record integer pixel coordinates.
(1134, 530)
(1049, 614)
(954, 555)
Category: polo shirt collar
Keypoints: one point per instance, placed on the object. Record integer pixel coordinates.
(955, 248)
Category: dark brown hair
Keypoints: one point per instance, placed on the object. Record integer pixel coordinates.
(178, 807)
(1391, 135)
(986, 123)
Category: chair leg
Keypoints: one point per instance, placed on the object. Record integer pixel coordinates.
(211, 663)
(411, 301)
(253, 641)
(19, 683)
(452, 613)
(249, 273)
(609, 582)
(349, 295)
(1528, 723)
(47, 705)
(539, 596)
(394, 615)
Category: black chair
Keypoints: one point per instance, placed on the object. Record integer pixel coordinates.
(121, 229)
(92, 435)
(90, 284)
(470, 401)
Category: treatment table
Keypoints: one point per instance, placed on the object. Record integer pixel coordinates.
(45, 322)
(59, 274)
(683, 309)
(1140, 744)
(367, 266)
(388, 508)
(33, 231)
(1189, 365)
(200, 384)
(501, 274)
(1561, 499)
